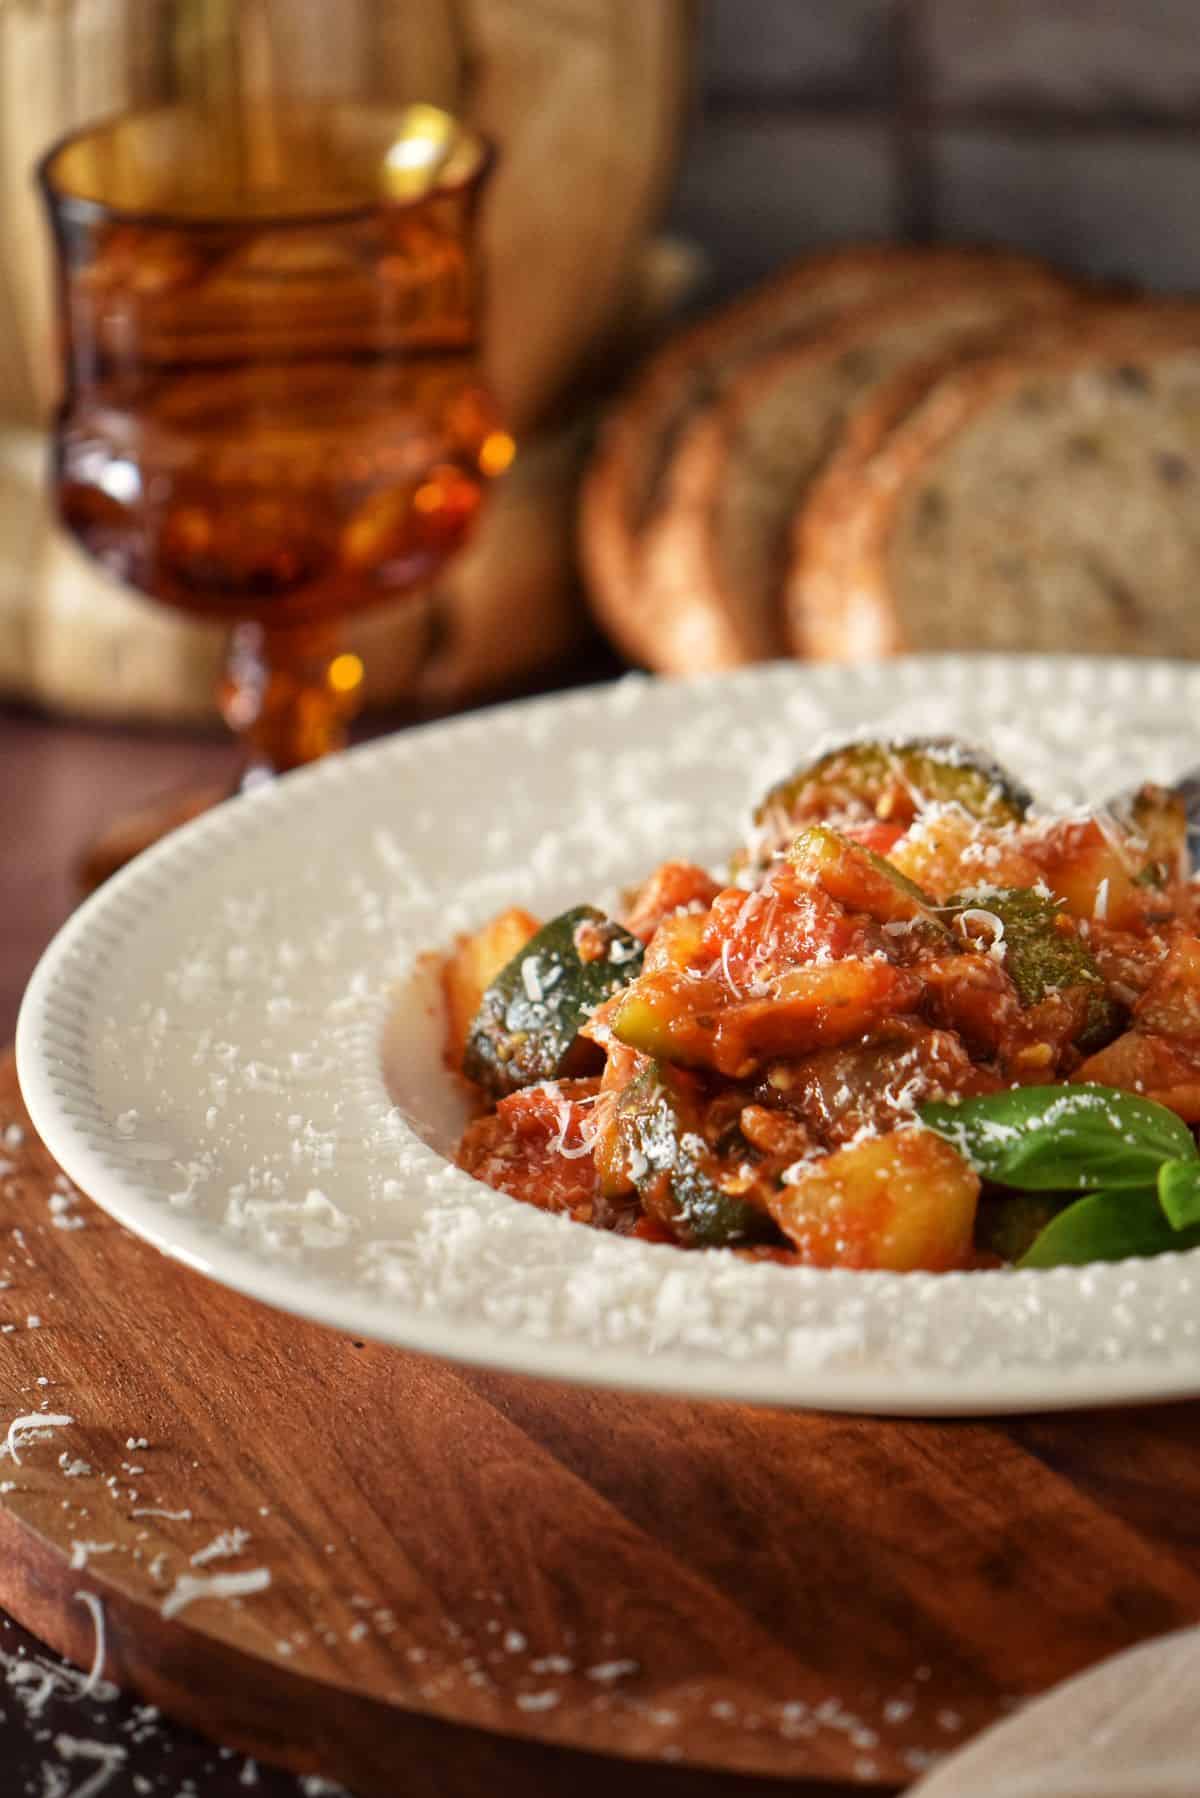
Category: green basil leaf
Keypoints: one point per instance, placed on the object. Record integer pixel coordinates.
(1063, 1138)
(1179, 1193)
(1108, 1226)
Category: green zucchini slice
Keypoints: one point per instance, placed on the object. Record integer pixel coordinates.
(528, 1023)
(890, 780)
(1040, 956)
(683, 1179)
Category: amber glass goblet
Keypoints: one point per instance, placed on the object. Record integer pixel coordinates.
(273, 412)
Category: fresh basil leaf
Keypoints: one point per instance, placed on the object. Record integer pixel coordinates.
(1063, 1138)
(1179, 1193)
(1108, 1226)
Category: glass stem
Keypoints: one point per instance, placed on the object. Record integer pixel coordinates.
(289, 694)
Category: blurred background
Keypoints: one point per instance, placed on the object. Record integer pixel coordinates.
(1069, 128)
(656, 159)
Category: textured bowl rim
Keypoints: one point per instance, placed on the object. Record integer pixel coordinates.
(54, 1022)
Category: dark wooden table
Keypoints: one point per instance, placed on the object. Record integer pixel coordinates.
(58, 782)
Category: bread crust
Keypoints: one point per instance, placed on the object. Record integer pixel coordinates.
(722, 614)
(622, 487)
(840, 604)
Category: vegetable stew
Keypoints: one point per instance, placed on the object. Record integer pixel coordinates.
(915, 1025)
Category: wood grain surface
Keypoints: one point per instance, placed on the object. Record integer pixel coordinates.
(762, 1592)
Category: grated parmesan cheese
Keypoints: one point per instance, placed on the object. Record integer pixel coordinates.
(110, 1755)
(727, 971)
(81, 1552)
(27, 1425)
(189, 1587)
(222, 1547)
(605, 1672)
(989, 921)
(557, 1144)
(531, 981)
(95, 1674)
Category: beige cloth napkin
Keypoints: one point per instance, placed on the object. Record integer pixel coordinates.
(1129, 1728)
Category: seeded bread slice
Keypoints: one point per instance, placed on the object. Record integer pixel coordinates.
(831, 509)
(1046, 500)
(624, 484)
(715, 556)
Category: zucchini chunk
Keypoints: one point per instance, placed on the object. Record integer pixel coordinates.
(528, 1023)
(471, 967)
(702, 1191)
(865, 882)
(1043, 953)
(889, 780)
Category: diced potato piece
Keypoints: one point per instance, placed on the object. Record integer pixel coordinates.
(1093, 872)
(472, 966)
(947, 852)
(898, 1202)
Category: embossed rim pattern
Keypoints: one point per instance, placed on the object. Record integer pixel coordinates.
(447, 1267)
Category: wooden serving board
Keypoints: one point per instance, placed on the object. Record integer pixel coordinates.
(767, 1593)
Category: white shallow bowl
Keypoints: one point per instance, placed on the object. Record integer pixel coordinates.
(234, 1047)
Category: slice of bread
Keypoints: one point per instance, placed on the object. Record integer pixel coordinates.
(622, 491)
(714, 557)
(1039, 500)
(831, 509)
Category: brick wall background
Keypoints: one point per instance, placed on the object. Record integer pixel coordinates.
(1066, 127)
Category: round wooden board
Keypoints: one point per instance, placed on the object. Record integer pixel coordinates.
(829, 1598)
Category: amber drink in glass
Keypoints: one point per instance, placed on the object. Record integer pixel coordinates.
(273, 410)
